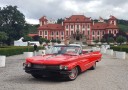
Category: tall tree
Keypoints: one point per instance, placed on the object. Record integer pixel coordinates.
(3, 37)
(12, 22)
(27, 38)
(59, 21)
(110, 40)
(121, 33)
(121, 39)
(107, 36)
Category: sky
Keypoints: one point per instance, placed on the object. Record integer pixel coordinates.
(35, 9)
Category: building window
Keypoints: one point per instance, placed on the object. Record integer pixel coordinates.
(71, 32)
(109, 32)
(62, 33)
(112, 22)
(77, 26)
(88, 26)
(52, 38)
(40, 32)
(93, 38)
(71, 26)
(115, 32)
(98, 38)
(62, 38)
(57, 33)
(98, 32)
(93, 33)
(45, 32)
(66, 26)
(83, 32)
(66, 32)
(83, 26)
(88, 32)
(52, 33)
(103, 32)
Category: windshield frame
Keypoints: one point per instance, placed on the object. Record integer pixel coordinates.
(67, 47)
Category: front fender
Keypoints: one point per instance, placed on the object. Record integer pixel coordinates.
(71, 65)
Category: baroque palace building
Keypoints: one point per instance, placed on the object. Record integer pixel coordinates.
(77, 24)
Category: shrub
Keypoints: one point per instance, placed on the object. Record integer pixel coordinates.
(9, 51)
(120, 48)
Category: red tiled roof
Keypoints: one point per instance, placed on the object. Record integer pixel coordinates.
(111, 26)
(43, 18)
(112, 17)
(51, 27)
(102, 26)
(99, 26)
(77, 18)
(32, 35)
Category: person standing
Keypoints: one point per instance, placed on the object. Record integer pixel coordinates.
(35, 49)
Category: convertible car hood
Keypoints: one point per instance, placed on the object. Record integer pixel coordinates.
(51, 59)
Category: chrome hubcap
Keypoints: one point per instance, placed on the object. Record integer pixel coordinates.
(73, 73)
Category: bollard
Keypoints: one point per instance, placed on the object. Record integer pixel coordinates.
(2, 61)
(28, 54)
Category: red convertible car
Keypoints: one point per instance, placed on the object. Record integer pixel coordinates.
(62, 61)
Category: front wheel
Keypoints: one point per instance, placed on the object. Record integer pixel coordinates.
(74, 73)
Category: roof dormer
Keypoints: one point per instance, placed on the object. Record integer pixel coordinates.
(43, 20)
(112, 20)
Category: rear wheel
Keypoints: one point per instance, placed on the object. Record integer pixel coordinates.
(93, 67)
(74, 73)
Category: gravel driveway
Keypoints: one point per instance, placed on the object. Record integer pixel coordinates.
(110, 74)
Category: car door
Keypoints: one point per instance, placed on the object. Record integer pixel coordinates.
(84, 61)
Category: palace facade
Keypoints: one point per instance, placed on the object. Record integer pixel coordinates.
(77, 23)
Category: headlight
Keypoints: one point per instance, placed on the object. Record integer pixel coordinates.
(63, 67)
(29, 65)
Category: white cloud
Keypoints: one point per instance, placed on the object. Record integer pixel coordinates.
(32, 21)
(34, 9)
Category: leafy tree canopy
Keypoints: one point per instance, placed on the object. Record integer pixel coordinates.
(58, 41)
(59, 21)
(110, 40)
(53, 40)
(3, 36)
(12, 22)
(96, 41)
(121, 39)
(42, 40)
(27, 38)
(103, 40)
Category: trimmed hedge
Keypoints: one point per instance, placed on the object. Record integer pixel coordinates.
(15, 50)
(120, 48)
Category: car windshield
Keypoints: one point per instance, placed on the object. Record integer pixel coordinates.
(70, 50)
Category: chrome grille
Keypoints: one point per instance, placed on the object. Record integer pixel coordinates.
(48, 67)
